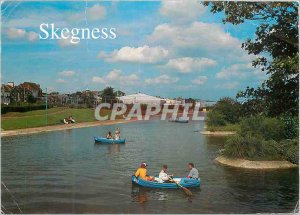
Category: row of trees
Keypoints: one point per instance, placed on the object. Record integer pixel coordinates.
(266, 119)
(276, 45)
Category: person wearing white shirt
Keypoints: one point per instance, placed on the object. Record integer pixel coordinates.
(163, 176)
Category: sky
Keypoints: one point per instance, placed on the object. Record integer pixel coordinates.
(163, 48)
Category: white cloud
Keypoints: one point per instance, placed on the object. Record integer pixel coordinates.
(182, 10)
(240, 71)
(67, 42)
(163, 79)
(32, 36)
(116, 76)
(188, 64)
(17, 33)
(205, 38)
(96, 12)
(98, 80)
(199, 80)
(61, 81)
(143, 54)
(67, 73)
(207, 35)
(229, 85)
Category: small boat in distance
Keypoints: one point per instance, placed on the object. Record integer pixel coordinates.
(178, 120)
(185, 182)
(108, 141)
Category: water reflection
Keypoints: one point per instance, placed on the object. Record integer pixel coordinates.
(139, 195)
(143, 194)
(112, 149)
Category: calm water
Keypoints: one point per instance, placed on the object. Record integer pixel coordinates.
(65, 172)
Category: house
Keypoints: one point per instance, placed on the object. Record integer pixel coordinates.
(6, 94)
(31, 88)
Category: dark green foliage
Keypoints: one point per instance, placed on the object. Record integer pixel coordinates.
(226, 110)
(108, 94)
(277, 36)
(290, 150)
(25, 108)
(291, 126)
(263, 138)
(264, 127)
(215, 118)
(31, 99)
(251, 147)
(119, 93)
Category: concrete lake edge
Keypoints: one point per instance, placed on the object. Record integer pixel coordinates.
(60, 127)
(257, 165)
(218, 133)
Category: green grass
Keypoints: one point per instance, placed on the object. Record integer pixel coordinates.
(37, 118)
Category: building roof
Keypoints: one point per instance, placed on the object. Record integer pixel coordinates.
(30, 86)
(6, 88)
(139, 96)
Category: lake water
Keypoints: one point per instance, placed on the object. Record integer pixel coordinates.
(65, 172)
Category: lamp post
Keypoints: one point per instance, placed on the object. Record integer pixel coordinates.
(46, 107)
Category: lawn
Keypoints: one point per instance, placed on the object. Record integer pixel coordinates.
(37, 118)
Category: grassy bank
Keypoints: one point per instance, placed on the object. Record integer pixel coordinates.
(37, 118)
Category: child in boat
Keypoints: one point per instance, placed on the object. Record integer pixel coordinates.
(142, 173)
(163, 176)
(117, 134)
(109, 136)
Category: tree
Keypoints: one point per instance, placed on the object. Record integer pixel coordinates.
(276, 45)
(31, 99)
(108, 94)
(119, 93)
(229, 108)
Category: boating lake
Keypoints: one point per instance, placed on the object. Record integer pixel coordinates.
(65, 172)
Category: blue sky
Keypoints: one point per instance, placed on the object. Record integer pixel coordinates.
(167, 48)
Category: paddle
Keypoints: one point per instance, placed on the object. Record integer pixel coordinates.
(187, 191)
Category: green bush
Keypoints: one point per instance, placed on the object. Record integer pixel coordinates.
(25, 108)
(243, 147)
(252, 148)
(291, 126)
(215, 118)
(290, 150)
(229, 108)
(264, 127)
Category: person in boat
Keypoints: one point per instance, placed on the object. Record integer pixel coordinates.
(163, 177)
(142, 173)
(194, 173)
(109, 136)
(117, 134)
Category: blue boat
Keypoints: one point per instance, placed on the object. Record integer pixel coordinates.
(178, 120)
(108, 141)
(185, 182)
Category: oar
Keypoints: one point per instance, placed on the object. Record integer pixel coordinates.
(187, 191)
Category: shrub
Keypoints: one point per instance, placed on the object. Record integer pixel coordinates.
(291, 126)
(229, 108)
(243, 147)
(25, 108)
(251, 147)
(215, 118)
(290, 150)
(259, 126)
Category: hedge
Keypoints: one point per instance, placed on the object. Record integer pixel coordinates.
(6, 109)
